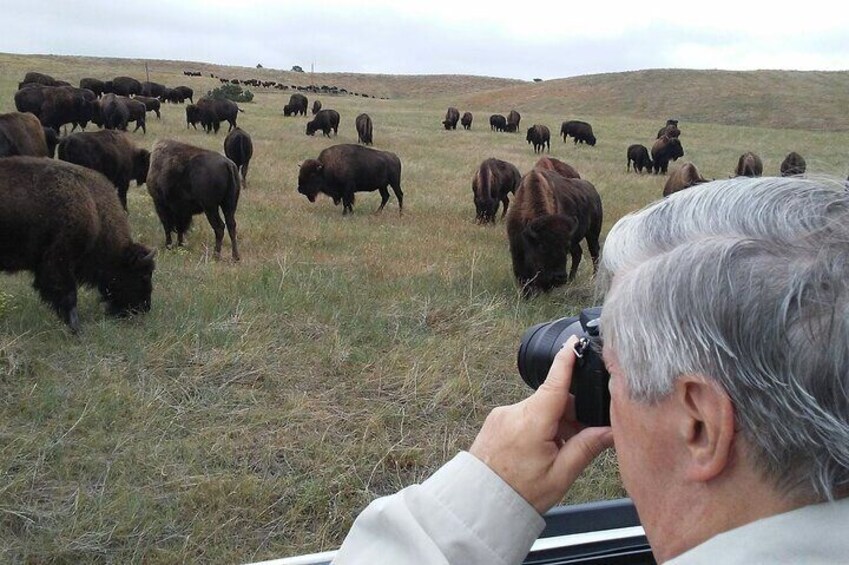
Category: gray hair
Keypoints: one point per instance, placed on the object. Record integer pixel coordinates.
(746, 282)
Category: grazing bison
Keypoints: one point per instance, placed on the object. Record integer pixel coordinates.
(33, 77)
(685, 176)
(452, 116)
(93, 84)
(64, 224)
(192, 116)
(497, 122)
(342, 170)
(664, 150)
(549, 217)
(152, 89)
(793, 164)
(108, 152)
(492, 184)
(297, 105)
(137, 112)
(113, 112)
(213, 112)
(57, 106)
(185, 180)
(180, 94)
(123, 86)
(466, 120)
(563, 169)
(639, 154)
(513, 119)
(749, 165)
(364, 129)
(540, 136)
(326, 121)
(669, 130)
(316, 106)
(239, 148)
(22, 134)
(150, 104)
(582, 132)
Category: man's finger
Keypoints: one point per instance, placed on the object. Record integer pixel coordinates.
(554, 392)
(580, 451)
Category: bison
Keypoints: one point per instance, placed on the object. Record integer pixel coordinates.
(213, 112)
(185, 180)
(297, 105)
(639, 154)
(793, 164)
(492, 184)
(150, 104)
(123, 86)
(364, 129)
(64, 223)
(137, 112)
(33, 77)
(513, 119)
(549, 217)
(93, 84)
(342, 170)
(539, 136)
(113, 112)
(664, 150)
(152, 89)
(669, 130)
(685, 176)
(192, 116)
(466, 120)
(582, 132)
(180, 94)
(497, 122)
(452, 116)
(326, 121)
(316, 106)
(239, 148)
(22, 134)
(563, 169)
(749, 165)
(111, 153)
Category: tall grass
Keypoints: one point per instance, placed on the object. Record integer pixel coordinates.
(259, 406)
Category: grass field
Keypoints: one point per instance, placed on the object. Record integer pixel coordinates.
(259, 406)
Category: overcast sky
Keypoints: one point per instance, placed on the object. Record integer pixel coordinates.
(516, 40)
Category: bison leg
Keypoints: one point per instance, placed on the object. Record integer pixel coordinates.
(230, 220)
(384, 198)
(396, 188)
(158, 116)
(56, 285)
(218, 228)
(506, 201)
(123, 188)
(576, 253)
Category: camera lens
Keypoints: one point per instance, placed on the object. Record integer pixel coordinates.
(539, 346)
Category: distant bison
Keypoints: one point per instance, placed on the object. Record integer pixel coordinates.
(33, 77)
(64, 224)
(326, 121)
(185, 180)
(549, 217)
(539, 136)
(364, 129)
(123, 86)
(749, 165)
(452, 116)
(22, 134)
(492, 184)
(793, 164)
(152, 89)
(582, 132)
(213, 112)
(513, 119)
(497, 122)
(342, 170)
(316, 106)
(563, 169)
(685, 176)
(239, 148)
(664, 150)
(297, 105)
(466, 120)
(108, 152)
(639, 154)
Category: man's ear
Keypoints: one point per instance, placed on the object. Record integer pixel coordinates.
(706, 426)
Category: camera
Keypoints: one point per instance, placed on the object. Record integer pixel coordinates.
(589, 378)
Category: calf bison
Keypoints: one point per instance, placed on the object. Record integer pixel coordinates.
(452, 116)
(213, 112)
(513, 119)
(316, 106)
(342, 170)
(297, 105)
(563, 169)
(326, 121)
(22, 134)
(685, 176)
(239, 148)
(549, 217)
(364, 129)
(150, 104)
(664, 150)
(185, 180)
(111, 153)
(539, 136)
(749, 165)
(497, 122)
(793, 164)
(466, 120)
(639, 154)
(582, 132)
(64, 224)
(492, 184)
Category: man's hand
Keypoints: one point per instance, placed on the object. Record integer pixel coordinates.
(537, 446)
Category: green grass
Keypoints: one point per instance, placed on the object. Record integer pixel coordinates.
(259, 406)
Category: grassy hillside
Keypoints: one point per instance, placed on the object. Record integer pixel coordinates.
(259, 406)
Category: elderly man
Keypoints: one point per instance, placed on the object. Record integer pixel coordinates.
(726, 334)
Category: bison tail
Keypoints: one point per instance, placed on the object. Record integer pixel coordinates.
(239, 109)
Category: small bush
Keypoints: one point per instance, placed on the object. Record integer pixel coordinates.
(232, 92)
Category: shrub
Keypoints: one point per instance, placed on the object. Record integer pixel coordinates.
(232, 92)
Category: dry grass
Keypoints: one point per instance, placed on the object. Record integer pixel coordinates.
(258, 407)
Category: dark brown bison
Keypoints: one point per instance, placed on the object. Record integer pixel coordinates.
(239, 148)
(664, 150)
(466, 120)
(342, 170)
(137, 112)
(57, 106)
(549, 217)
(563, 169)
(316, 106)
(22, 134)
(180, 94)
(192, 116)
(539, 136)
(452, 116)
(113, 112)
(93, 84)
(492, 184)
(123, 86)
(685, 176)
(364, 129)
(152, 89)
(513, 119)
(497, 122)
(185, 180)
(669, 130)
(29, 99)
(64, 224)
(749, 165)
(582, 132)
(639, 154)
(150, 104)
(33, 77)
(326, 121)
(793, 164)
(111, 153)
(297, 105)
(213, 112)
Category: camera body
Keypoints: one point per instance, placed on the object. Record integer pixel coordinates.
(541, 343)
